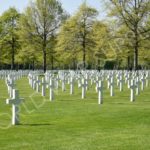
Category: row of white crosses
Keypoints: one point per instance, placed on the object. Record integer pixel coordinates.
(51, 81)
(83, 77)
(10, 78)
(45, 82)
(131, 84)
(3, 74)
(10, 85)
(71, 85)
(132, 79)
(110, 83)
(14, 99)
(17, 74)
(134, 83)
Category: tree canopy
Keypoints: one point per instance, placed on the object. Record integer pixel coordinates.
(45, 36)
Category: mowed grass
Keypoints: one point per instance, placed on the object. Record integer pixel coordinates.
(70, 123)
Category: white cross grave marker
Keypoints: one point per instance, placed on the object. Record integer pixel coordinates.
(57, 81)
(34, 83)
(71, 85)
(86, 81)
(128, 80)
(100, 92)
(142, 82)
(15, 101)
(63, 83)
(132, 95)
(11, 86)
(120, 82)
(51, 89)
(43, 87)
(112, 86)
(147, 79)
(83, 85)
(37, 84)
(137, 85)
(79, 82)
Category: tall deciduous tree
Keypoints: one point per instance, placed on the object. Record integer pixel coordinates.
(51, 53)
(1, 29)
(41, 21)
(75, 36)
(67, 44)
(101, 37)
(9, 38)
(134, 14)
(85, 19)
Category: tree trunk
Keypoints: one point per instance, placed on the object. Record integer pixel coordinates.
(44, 45)
(44, 61)
(84, 53)
(44, 52)
(136, 47)
(74, 64)
(52, 61)
(128, 63)
(13, 54)
(0, 60)
(136, 44)
(136, 58)
(98, 64)
(29, 66)
(33, 65)
(84, 44)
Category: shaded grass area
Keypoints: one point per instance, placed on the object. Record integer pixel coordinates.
(70, 123)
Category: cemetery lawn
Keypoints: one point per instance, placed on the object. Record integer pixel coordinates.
(70, 123)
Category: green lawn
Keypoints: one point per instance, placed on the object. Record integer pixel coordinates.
(70, 123)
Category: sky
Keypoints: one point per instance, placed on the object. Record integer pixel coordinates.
(69, 5)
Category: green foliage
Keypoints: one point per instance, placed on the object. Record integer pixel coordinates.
(9, 40)
(75, 37)
(39, 23)
(133, 14)
(100, 35)
(44, 34)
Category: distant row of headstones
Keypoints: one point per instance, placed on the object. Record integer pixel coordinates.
(136, 81)
(86, 79)
(10, 77)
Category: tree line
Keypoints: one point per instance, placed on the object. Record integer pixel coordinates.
(45, 36)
